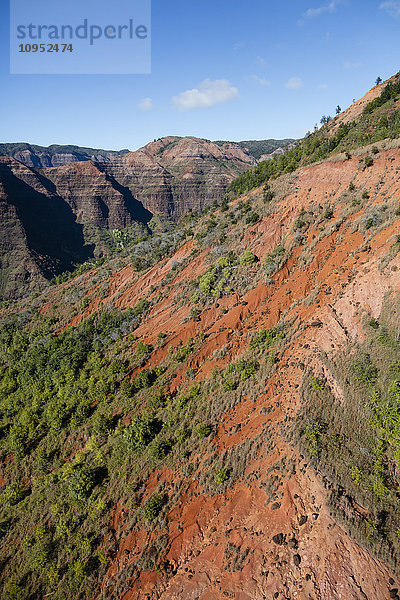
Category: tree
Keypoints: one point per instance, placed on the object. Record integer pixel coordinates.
(338, 110)
(323, 120)
(378, 81)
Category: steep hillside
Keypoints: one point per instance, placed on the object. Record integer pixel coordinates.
(373, 118)
(224, 422)
(214, 412)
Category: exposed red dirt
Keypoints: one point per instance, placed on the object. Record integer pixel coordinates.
(342, 276)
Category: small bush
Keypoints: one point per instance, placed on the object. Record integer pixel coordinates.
(154, 506)
(141, 432)
(222, 476)
(203, 431)
(248, 258)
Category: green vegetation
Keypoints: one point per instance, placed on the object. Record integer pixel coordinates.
(274, 260)
(373, 126)
(216, 280)
(356, 441)
(265, 338)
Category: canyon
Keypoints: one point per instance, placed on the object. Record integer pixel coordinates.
(222, 422)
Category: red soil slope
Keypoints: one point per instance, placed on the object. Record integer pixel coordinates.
(336, 273)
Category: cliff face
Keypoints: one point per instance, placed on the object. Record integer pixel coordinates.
(270, 532)
(56, 155)
(174, 175)
(95, 197)
(52, 207)
(39, 232)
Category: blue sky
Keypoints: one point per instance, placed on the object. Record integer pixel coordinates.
(238, 70)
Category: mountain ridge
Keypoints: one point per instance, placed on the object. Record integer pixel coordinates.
(54, 155)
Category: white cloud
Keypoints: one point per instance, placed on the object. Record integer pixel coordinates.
(316, 12)
(260, 61)
(351, 65)
(312, 13)
(261, 80)
(146, 104)
(392, 7)
(323, 86)
(207, 94)
(294, 83)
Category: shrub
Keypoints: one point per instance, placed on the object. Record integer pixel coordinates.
(144, 379)
(13, 494)
(141, 432)
(181, 353)
(141, 307)
(248, 258)
(274, 261)
(373, 323)
(203, 431)
(266, 337)
(81, 482)
(368, 161)
(365, 371)
(268, 194)
(160, 449)
(222, 476)
(252, 218)
(154, 506)
(246, 368)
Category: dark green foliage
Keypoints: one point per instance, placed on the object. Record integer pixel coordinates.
(80, 482)
(203, 430)
(144, 379)
(160, 448)
(268, 194)
(252, 218)
(12, 494)
(368, 161)
(365, 371)
(141, 432)
(141, 307)
(266, 337)
(154, 506)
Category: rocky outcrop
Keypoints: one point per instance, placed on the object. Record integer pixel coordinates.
(40, 235)
(95, 197)
(174, 175)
